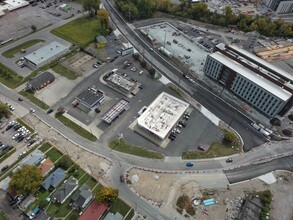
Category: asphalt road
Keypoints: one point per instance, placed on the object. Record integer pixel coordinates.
(215, 104)
(255, 170)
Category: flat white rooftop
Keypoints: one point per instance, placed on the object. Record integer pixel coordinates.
(255, 78)
(46, 52)
(11, 5)
(121, 81)
(162, 114)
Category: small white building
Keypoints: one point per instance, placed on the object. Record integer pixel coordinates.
(162, 115)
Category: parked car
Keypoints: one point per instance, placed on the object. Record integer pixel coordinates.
(201, 148)
(229, 160)
(50, 111)
(189, 164)
(20, 99)
(4, 168)
(122, 179)
(11, 108)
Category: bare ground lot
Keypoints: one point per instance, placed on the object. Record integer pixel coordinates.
(162, 190)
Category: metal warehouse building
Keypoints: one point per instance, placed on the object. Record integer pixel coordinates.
(45, 54)
(262, 85)
(162, 115)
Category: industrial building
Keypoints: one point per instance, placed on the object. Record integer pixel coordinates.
(90, 98)
(263, 86)
(11, 5)
(162, 115)
(45, 54)
(279, 6)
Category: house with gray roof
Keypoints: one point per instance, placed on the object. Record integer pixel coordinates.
(33, 159)
(65, 190)
(40, 81)
(82, 197)
(54, 179)
(111, 216)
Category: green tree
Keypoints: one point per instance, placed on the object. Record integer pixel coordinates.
(230, 18)
(135, 56)
(34, 28)
(143, 63)
(4, 110)
(152, 71)
(64, 162)
(92, 6)
(107, 194)
(26, 180)
(230, 137)
(103, 18)
(199, 11)
(145, 8)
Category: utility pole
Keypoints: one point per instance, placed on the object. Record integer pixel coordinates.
(165, 39)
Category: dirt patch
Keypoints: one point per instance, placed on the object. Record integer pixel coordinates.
(81, 63)
(164, 189)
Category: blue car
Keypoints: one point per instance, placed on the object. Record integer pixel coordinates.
(189, 164)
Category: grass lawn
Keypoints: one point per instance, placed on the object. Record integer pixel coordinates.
(45, 147)
(10, 53)
(63, 71)
(74, 215)
(83, 179)
(35, 100)
(217, 149)
(120, 206)
(129, 149)
(54, 154)
(3, 216)
(79, 173)
(91, 183)
(97, 188)
(80, 31)
(6, 154)
(76, 128)
(11, 79)
(40, 195)
(62, 209)
(130, 215)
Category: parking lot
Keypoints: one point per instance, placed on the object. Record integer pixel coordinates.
(187, 44)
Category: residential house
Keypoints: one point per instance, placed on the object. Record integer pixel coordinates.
(40, 81)
(54, 179)
(94, 211)
(33, 159)
(27, 202)
(101, 41)
(82, 197)
(111, 216)
(65, 190)
(45, 167)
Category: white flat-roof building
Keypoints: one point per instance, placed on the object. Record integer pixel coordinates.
(123, 84)
(262, 85)
(10, 5)
(162, 114)
(45, 54)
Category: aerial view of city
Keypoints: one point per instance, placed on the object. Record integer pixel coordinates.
(146, 109)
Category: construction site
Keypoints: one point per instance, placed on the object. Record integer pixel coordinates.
(276, 53)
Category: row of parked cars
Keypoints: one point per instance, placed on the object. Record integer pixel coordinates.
(22, 131)
(177, 129)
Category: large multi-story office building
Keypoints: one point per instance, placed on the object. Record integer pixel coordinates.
(262, 85)
(280, 6)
